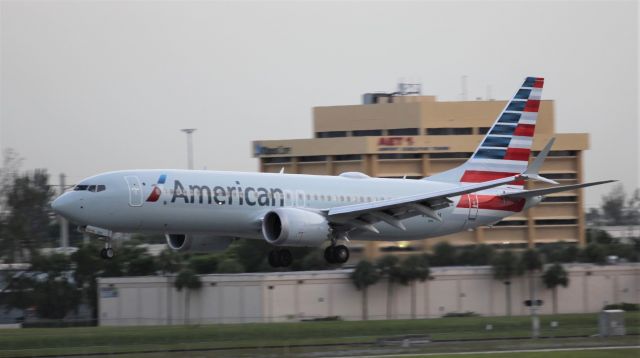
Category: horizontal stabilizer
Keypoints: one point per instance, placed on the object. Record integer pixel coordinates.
(553, 189)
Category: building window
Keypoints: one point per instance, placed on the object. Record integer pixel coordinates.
(483, 130)
(560, 175)
(331, 134)
(346, 157)
(557, 222)
(449, 131)
(400, 156)
(367, 132)
(313, 158)
(403, 131)
(559, 199)
(274, 160)
(450, 155)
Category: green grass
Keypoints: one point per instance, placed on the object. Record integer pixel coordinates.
(129, 339)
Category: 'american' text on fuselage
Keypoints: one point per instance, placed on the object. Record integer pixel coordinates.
(225, 194)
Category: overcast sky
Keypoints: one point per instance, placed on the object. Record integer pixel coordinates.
(88, 87)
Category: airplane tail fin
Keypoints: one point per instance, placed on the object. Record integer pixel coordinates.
(505, 149)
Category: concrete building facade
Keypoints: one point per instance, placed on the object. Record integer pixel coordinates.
(417, 136)
(295, 296)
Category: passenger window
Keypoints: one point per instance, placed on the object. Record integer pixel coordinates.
(102, 188)
(92, 188)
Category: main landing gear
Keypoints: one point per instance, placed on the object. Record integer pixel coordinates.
(107, 252)
(336, 254)
(280, 258)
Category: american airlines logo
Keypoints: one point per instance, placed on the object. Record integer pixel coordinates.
(156, 191)
(228, 195)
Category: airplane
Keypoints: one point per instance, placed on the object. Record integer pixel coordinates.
(197, 210)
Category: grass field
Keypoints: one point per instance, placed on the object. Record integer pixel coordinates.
(40, 341)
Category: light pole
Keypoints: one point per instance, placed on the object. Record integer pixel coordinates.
(189, 132)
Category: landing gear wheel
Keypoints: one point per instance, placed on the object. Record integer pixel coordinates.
(280, 258)
(328, 254)
(336, 254)
(274, 259)
(341, 254)
(285, 258)
(107, 252)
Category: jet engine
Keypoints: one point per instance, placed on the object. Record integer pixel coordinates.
(197, 243)
(295, 227)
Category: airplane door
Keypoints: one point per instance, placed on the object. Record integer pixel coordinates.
(300, 199)
(135, 191)
(473, 206)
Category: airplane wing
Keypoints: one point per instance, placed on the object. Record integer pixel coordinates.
(553, 189)
(391, 211)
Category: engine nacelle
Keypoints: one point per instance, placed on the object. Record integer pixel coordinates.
(295, 227)
(197, 243)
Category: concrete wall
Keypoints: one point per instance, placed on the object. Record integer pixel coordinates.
(294, 296)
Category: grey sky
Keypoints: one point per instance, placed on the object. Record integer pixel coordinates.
(88, 87)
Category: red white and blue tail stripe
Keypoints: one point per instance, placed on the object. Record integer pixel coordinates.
(506, 148)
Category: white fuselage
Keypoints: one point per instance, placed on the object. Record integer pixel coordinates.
(232, 204)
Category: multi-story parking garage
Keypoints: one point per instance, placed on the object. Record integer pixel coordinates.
(412, 137)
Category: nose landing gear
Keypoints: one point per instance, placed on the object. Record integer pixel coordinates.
(107, 252)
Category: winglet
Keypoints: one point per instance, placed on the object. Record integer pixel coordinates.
(534, 168)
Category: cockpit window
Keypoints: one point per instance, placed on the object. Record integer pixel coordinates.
(91, 188)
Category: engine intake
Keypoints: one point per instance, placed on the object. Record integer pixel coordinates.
(295, 227)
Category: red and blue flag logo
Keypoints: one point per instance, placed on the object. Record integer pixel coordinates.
(156, 190)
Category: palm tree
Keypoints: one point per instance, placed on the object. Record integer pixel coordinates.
(413, 268)
(388, 266)
(187, 279)
(506, 266)
(554, 276)
(364, 275)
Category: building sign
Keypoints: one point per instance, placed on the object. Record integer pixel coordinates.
(108, 292)
(259, 149)
(407, 144)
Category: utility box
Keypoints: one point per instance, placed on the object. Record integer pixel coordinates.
(611, 323)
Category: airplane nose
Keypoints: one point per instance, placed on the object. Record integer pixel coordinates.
(63, 205)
